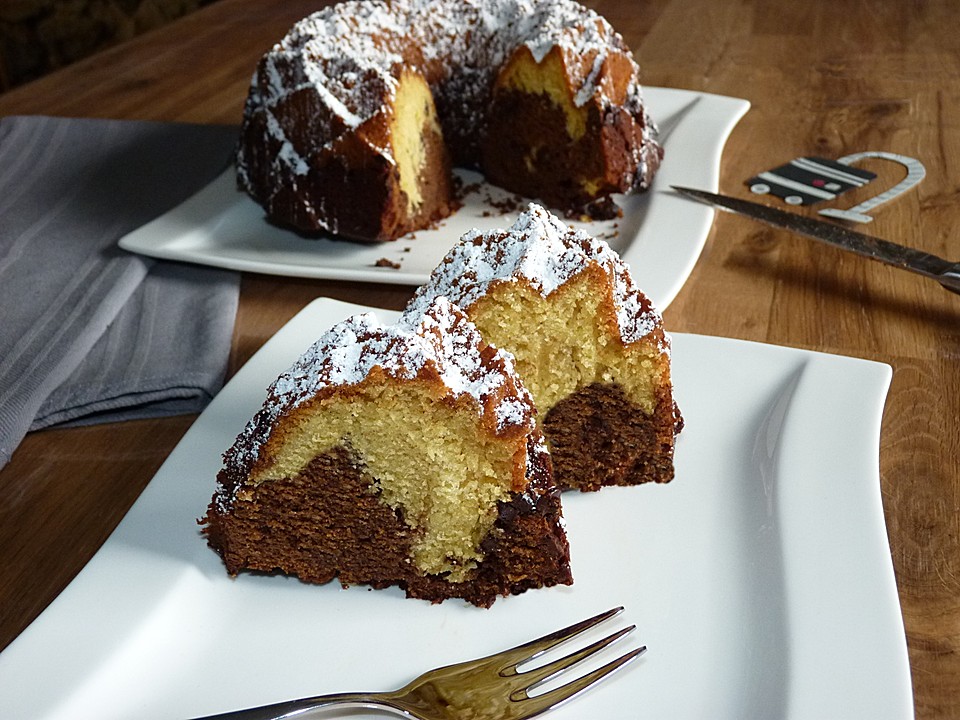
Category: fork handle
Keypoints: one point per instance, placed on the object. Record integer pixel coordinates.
(295, 708)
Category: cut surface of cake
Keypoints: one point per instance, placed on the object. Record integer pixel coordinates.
(353, 120)
(401, 455)
(588, 344)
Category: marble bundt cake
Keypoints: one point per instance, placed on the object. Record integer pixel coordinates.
(402, 455)
(588, 344)
(353, 120)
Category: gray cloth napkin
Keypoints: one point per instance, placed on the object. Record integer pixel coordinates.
(89, 332)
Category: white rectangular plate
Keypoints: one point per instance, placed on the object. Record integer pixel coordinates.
(760, 578)
(660, 234)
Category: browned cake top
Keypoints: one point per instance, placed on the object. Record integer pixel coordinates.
(344, 60)
(544, 252)
(439, 345)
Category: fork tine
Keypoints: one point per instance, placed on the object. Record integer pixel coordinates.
(541, 703)
(534, 648)
(540, 675)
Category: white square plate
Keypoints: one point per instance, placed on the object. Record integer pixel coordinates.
(760, 578)
(660, 234)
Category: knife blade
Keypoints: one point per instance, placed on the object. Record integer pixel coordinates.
(943, 271)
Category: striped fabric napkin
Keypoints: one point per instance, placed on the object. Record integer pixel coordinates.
(89, 332)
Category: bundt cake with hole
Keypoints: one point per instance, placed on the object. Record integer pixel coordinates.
(401, 455)
(353, 120)
(588, 344)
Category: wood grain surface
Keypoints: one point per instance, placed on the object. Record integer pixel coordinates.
(824, 78)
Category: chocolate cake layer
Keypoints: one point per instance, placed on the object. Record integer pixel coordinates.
(600, 421)
(329, 522)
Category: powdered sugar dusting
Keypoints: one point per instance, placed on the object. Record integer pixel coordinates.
(545, 253)
(512, 411)
(440, 339)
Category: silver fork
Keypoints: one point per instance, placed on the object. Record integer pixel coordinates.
(491, 688)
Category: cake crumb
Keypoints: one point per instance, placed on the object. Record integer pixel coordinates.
(387, 262)
(604, 209)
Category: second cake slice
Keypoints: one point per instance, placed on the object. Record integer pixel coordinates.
(588, 344)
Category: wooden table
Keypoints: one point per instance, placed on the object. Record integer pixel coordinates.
(823, 78)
